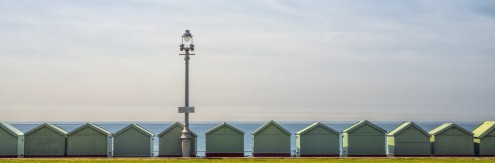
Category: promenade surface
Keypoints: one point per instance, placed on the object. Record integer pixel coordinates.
(288, 160)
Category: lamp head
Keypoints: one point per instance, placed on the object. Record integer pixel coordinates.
(187, 36)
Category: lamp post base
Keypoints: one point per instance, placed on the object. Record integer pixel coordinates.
(186, 141)
(186, 147)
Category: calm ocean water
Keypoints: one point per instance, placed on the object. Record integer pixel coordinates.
(248, 127)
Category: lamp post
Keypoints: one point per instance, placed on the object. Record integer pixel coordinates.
(186, 46)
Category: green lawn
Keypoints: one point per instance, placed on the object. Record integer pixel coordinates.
(284, 160)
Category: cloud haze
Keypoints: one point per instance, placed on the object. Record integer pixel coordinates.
(256, 60)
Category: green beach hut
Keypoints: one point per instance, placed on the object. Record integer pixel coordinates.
(170, 143)
(89, 140)
(317, 140)
(11, 141)
(408, 139)
(224, 140)
(363, 139)
(450, 139)
(45, 140)
(484, 138)
(271, 140)
(133, 141)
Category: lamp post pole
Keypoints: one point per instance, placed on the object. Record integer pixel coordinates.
(186, 134)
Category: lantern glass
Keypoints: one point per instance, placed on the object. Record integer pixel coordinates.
(187, 38)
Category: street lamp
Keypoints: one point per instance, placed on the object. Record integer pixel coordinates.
(186, 46)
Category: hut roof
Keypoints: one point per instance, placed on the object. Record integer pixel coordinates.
(313, 126)
(271, 122)
(11, 129)
(361, 123)
(93, 126)
(178, 124)
(50, 126)
(447, 126)
(134, 126)
(483, 129)
(224, 125)
(405, 125)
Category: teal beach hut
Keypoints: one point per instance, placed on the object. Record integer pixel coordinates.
(271, 140)
(224, 140)
(484, 139)
(408, 139)
(89, 140)
(317, 140)
(170, 143)
(11, 141)
(133, 141)
(364, 139)
(46, 140)
(450, 139)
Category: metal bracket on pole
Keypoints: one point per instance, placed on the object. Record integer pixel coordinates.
(186, 109)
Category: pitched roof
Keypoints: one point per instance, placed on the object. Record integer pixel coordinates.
(405, 125)
(176, 124)
(446, 126)
(483, 129)
(271, 122)
(93, 126)
(11, 129)
(134, 126)
(362, 123)
(50, 126)
(315, 125)
(224, 125)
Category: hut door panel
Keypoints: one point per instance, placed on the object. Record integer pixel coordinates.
(271, 130)
(412, 148)
(88, 142)
(44, 142)
(412, 135)
(132, 143)
(454, 145)
(272, 143)
(491, 134)
(319, 144)
(8, 143)
(225, 144)
(366, 145)
(487, 146)
(453, 132)
(170, 143)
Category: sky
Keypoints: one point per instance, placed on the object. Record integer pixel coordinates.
(314, 60)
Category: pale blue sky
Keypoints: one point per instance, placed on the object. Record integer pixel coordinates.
(256, 60)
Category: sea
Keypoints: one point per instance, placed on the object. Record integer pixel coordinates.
(248, 127)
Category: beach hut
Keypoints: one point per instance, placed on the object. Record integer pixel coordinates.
(484, 138)
(170, 143)
(11, 141)
(450, 139)
(46, 140)
(408, 139)
(271, 140)
(224, 141)
(89, 140)
(133, 141)
(317, 140)
(363, 139)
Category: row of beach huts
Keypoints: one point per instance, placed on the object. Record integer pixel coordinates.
(270, 140)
